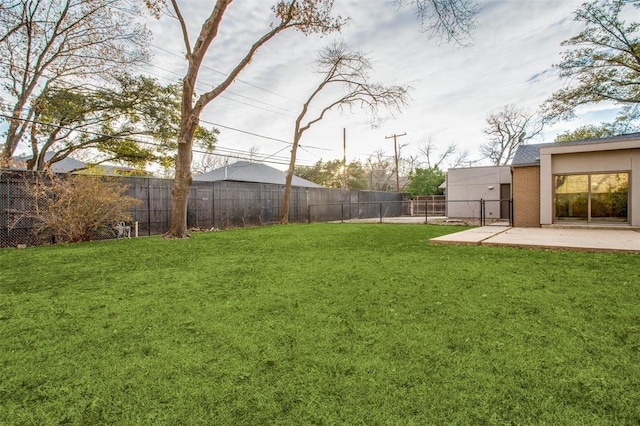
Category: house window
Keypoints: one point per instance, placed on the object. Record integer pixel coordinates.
(602, 197)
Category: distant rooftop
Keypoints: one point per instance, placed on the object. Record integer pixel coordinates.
(65, 165)
(247, 171)
(70, 164)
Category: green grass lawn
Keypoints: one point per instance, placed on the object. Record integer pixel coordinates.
(317, 324)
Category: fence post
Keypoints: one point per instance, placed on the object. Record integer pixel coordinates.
(511, 212)
(213, 205)
(380, 212)
(426, 213)
(309, 213)
(5, 225)
(196, 199)
(481, 212)
(148, 207)
(342, 212)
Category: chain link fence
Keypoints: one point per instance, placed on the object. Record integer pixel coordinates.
(472, 212)
(211, 205)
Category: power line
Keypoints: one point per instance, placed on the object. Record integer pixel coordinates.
(230, 152)
(262, 136)
(203, 83)
(225, 74)
(240, 130)
(202, 121)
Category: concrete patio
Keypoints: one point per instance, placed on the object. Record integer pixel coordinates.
(582, 239)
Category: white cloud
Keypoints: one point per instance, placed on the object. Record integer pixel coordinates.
(510, 62)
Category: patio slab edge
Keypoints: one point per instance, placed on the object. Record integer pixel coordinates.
(560, 248)
(470, 237)
(591, 240)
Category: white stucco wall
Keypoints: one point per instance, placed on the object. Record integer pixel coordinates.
(465, 186)
(603, 157)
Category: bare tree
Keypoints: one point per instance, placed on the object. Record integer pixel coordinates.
(308, 16)
(433, 159)
(406, 164)
(60, 42)
(349, 71)
(207, 163)
(10, 19)
(507, 130)
(380, 172)
(450, 20)
(211, 161)
(459, 160)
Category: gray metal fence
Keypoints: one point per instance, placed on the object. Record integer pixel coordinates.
(475, 212)
(219, 205)
(364, 207)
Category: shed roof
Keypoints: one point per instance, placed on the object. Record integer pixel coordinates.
(247, 171)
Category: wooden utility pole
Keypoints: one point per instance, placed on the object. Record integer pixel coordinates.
(395, 146)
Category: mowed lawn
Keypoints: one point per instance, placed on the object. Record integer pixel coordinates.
(317, 324)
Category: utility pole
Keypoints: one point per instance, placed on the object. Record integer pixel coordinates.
(395, 146)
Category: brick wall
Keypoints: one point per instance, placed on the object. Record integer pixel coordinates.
(526, 196)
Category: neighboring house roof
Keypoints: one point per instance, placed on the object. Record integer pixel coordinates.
(65, 165)
(529, 155)
(247, 171)
(68, 164)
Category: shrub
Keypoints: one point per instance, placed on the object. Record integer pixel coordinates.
(78, 208)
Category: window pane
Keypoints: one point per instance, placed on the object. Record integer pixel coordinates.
(609, 197)
(572, 197)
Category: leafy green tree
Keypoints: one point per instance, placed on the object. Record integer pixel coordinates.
(330, 174)
(602, 63)
(356, 176)
(628, 121)
(110, 121)
(588, 131)
(61, 43)
(322, 173)
(425, 181)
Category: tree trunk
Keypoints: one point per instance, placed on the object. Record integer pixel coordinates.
(181, 185)
(284, 217)
(13, 137)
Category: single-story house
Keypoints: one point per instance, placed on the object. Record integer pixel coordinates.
(464, 187)
(247, 171)
(590, 182)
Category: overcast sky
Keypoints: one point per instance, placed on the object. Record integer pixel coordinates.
(453, 88)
